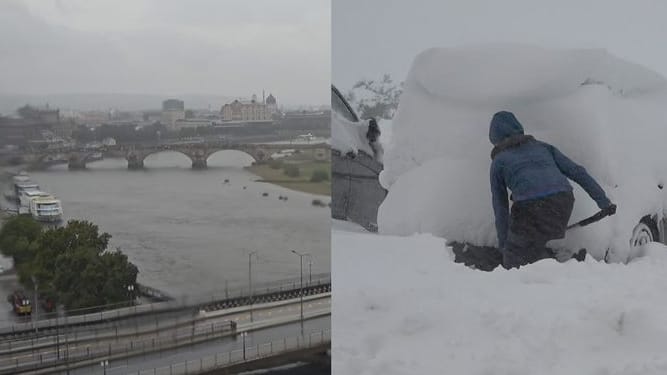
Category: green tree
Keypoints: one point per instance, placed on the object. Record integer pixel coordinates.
(275, 163)
(187, 132)
(319, 176)
(73, 264)
(19, 239)
(291, 170)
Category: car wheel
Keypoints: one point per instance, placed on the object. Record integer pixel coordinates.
(644, 232)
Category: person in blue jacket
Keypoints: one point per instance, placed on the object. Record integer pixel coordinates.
(537, 175)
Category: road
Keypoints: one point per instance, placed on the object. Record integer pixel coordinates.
(195, 353)
(149, 336)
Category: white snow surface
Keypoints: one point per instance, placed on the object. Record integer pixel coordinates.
(603, 112)
(403, 307)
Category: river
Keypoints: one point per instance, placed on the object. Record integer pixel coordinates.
(188, 231)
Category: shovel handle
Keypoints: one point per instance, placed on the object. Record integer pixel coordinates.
(597, 217)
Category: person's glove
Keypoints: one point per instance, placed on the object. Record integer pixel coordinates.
(609, 210)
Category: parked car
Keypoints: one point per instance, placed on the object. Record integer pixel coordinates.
(20, 303)
(605, 113)
(356, 192)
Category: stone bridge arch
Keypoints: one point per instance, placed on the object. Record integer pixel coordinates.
(136, 157)
(259, 154)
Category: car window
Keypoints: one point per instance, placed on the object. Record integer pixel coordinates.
(341, 107)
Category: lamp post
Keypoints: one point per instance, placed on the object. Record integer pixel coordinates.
(301, 255)
(34, 306)
(130, 291)
(310, 270)
(104, 365)
(244, 334)
(250, 281)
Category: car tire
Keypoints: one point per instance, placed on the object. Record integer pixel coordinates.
(644, 232)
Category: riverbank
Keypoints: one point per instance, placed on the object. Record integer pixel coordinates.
(277, 176)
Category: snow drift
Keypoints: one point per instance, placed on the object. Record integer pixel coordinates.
(603, 112)
(401, 311)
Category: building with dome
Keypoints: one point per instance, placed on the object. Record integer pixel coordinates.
(250, 111)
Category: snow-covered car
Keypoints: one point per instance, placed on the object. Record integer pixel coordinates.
(607, 114)
(356, 193)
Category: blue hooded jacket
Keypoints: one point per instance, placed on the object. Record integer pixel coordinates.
(530, 169)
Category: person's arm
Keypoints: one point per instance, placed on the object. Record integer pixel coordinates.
(578, 174)
(500, 203)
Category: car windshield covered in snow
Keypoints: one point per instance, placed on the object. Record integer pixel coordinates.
(605, 113)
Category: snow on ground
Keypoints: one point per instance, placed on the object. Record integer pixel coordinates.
(402, 306)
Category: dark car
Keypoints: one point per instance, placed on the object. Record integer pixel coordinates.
(356, 193)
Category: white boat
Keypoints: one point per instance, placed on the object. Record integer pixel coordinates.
(46, 208)
(31, 200)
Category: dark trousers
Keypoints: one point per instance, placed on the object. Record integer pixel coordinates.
(532, 224)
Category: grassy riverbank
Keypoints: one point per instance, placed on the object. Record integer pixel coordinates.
(301, 182)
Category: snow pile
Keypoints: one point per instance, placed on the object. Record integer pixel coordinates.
(403, 307)
(348, 136)
(603, 112)
(386, 131)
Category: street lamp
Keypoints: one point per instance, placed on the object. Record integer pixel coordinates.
(244, 334)
(34, 306)
(301, 287)
(250, 281)
(130, 291)
(310, 270)
(104, 365)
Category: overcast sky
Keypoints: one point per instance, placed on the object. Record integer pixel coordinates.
(371, 37)
(221, 47)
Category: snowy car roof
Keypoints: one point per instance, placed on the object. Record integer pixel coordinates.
(471, 73)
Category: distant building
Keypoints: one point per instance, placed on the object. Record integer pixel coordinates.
(193, 123)
(32, 126)
(109, 141)
(173, 105)
(271, 104)
(172, 111)
(251, 111)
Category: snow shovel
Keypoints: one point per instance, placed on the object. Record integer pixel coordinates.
(595, 218)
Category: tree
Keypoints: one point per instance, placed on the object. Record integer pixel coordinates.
(291, 170)
(319, 176)
(187, 132)
(19, 239)
(28, 112)
(377, 99)
(71, 263)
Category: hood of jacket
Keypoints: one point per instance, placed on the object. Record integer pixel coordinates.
(504, 125)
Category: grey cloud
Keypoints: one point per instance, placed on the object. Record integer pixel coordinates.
(197, 49)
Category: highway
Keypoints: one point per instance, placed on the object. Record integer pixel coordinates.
(153, 337)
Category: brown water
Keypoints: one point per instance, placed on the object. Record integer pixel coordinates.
(188, 231)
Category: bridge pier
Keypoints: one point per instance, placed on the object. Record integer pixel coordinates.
(134, 164)
(199, 164)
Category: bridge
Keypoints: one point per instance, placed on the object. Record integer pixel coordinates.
(197, 152)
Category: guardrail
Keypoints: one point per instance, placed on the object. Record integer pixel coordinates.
(70, 354)
(244, 355)
(67, 353)
(240, 296)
